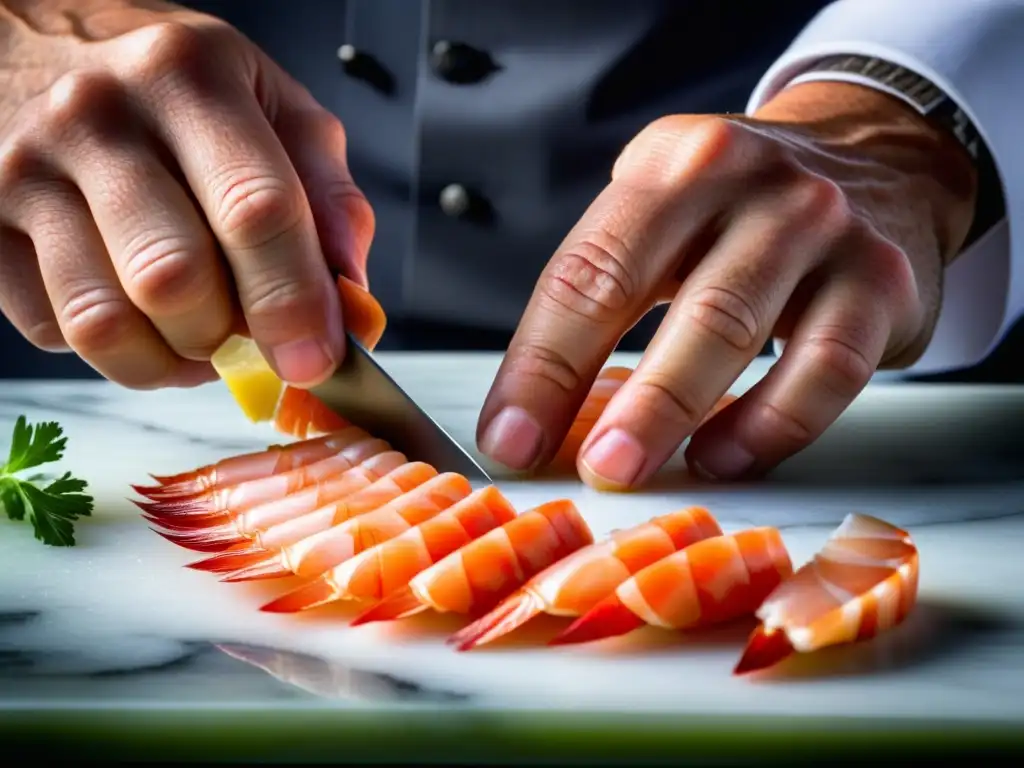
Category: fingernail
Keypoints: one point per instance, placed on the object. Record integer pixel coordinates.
(513, 438)
(722, 460)
(617, 457)
(301, 362)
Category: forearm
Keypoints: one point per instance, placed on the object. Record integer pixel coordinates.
(42, 39)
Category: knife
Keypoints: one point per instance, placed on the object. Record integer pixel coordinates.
(363, 393)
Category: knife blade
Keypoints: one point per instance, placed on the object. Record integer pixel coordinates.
(362, 392)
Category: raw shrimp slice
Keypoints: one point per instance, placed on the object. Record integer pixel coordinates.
(249, 466)
(388, 488)
(325, 550)
(235, 499)
(248, 523)
(606, 384)
(377, 571)
(709, 582)
(861, 583)
(487, 569)
(574, 585)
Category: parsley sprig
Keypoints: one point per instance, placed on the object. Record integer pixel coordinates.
(51, 505)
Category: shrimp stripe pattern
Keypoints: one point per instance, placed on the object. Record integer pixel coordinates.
(373, 573)
(368, 498)
(576, 583)
(486, 570)
(863, 581)
(706, 583)
(313, 555)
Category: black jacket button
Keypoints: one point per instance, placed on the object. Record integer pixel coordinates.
(362, 66)
(461, 64)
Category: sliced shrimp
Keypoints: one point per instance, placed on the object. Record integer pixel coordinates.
(709, 582)
(862, 582)
(574, 585)
(217, 506)
(373, 496)
(322, 551)
(484, 571)
(299, 412)
(606, 384)
(375, 572)
(249, 466)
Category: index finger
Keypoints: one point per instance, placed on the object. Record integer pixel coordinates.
(256, 207)
(597, 286)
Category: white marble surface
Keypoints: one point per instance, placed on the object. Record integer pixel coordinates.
(117, 622)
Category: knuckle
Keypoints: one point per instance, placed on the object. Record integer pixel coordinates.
(671, 149)
(536, 361)
(784, 427)
(665, 402)
(272, 300)
(94, 318)
(80, 99)
(169, 46)
(162, 274)
(728, 315)
(593, 280)
(816, 198)
(838, 356)
(254, 209)
(891, 272)
(20, 160)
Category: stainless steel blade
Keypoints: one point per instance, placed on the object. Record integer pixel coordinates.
(363, 392)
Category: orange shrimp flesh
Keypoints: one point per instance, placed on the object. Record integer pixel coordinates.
(373, 496)
(249, 466)
(388, 566)
(247, 522)
(862, 582)
(255, 505)
(606, 384)
(480, 574)
(575, 584)
(355, 446)
(328, 549)
(709, 582)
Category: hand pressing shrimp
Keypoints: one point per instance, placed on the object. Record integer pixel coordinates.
(707, 583)
(862, 582)
(572, 586)
(476, 577)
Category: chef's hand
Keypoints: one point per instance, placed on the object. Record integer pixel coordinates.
(163, 184)
(825, 222)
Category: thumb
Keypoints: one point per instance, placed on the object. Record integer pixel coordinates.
(315, 141)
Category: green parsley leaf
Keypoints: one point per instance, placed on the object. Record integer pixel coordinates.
(53, 507)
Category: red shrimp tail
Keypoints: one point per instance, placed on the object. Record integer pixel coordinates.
(400, 604)
(268, 567)
(209, 540)
(609, 618)
(320, 591)
(197, 507)
(227, 562)
(507, 616)
(174, 487)
(766, 648)
(189, 522)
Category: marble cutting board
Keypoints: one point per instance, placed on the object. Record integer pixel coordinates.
(116, 621)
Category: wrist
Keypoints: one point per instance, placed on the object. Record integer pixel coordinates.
(871, 124)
